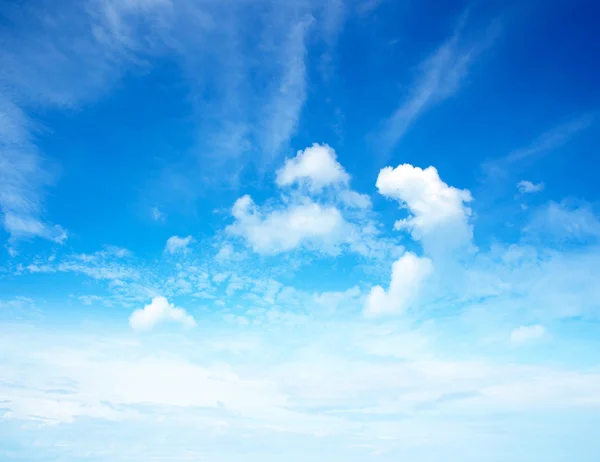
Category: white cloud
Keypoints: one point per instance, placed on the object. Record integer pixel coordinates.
(441, 76)
(564, 221)
(316, 167)
(276, 231)
(157, 214)
(176, 244)
(527, 334)
(83, 49)
(355, 200)
(545, 143)
(310, 216)
(282, 112)
(522, 283)
(23, 227)
(225, 253)
(89, 299)
(550, 140)
(157, 312)
(75, 47)
(526, 187)
(23, 178)
(409, 273)
(438, 216)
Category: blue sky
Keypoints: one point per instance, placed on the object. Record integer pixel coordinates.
(342, 230)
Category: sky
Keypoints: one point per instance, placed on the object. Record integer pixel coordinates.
(330, 230)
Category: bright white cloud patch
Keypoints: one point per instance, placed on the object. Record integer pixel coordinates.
(527, 334)
(438, 215)
(526, 187)
(176, 244)
(158, 312)
(310, 215)
(316, 167)
(277, 231)
(409, 273)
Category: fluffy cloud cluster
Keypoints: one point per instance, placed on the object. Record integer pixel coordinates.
(286, 229)
(438, 213)
(158, 312)
(438, 218)
(307, 217)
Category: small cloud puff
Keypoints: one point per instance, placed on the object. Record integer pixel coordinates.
(157, 214)
(158, 312)
(176, 244)
(316, 167)
(526, 187)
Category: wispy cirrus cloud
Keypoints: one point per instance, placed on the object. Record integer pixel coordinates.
(81, 50)
(551, 140)
(439, 77)
(281, 114)
(247, 98)
(23, 177)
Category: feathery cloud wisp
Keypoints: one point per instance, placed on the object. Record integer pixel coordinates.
(440, 76)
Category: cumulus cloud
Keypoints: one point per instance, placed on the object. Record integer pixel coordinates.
(315, 167)
(438, 213)
(317, 211)
(281, 230)
(527, 334)
(157, 312)
(526, 187)
(176, 244)
(409, 273)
